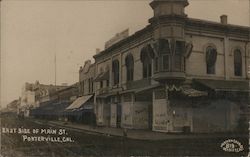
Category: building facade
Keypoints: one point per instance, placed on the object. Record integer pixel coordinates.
(177, 74)
(82, 109)
(86, 78)
(35, 94)
(56, 103)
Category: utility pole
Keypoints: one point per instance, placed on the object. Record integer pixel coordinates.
(55, 68)
(0, 84)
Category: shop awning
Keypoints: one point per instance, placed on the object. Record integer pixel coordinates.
(223, 85)
(190, 92)
(79, 102)
(146, 88)
(51, 109)
(140, 90)
(102, 76)
(106, 95)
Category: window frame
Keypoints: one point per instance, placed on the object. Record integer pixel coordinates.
(147, 62)
(238, 69)
(211, 65)
(129, 63)
(116, 72)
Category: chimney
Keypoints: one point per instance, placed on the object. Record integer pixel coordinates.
(223, 19)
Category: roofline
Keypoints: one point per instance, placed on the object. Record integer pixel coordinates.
(154, 2)
(225, 27)
(136, 34)
(218, 23)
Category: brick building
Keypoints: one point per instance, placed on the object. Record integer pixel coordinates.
(176, 74)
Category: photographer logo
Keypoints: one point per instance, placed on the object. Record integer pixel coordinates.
(232, 145)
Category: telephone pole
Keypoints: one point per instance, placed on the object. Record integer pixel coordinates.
(55, 68)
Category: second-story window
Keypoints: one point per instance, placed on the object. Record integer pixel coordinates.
(129, 61)
(107, 83)
(237, 63)
(156, 64)
(101, 84)
(211, 57)
(83, 87)
(80, 87)
(146, 64)
(89, 84)
(169, 55)
(178, 56)
(165, 53)
(116, 73)
(92, 85)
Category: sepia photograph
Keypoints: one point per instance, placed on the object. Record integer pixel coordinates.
(130, 78)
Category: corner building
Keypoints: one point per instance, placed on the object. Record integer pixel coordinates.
(177, 74)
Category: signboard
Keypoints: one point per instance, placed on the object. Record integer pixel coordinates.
(118, 37)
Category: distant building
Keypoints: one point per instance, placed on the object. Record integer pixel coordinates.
(86, 78)
(13, 106)
(35, 94)
(28, 95)
(56, 103)
(177, 74)
(69, 93)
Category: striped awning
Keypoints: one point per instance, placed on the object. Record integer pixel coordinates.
(190, 92)
(79, 102)
(224, 85)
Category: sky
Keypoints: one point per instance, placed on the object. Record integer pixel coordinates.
(34, 31)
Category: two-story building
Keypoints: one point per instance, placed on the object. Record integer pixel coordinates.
(176, 74)
(82, 109)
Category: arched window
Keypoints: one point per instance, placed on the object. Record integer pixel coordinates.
(129, 61)
(211, 57)
(237, 63)
(107, 70)
(116, 73)
(146, 63)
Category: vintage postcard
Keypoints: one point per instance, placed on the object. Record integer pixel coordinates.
(125, 78)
